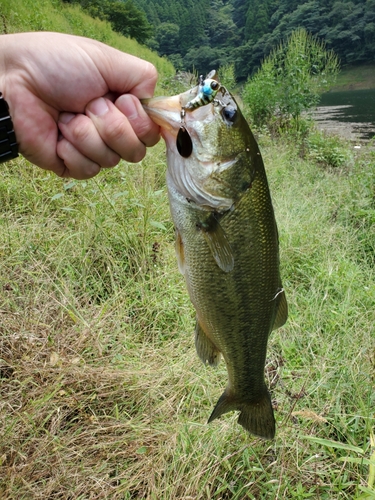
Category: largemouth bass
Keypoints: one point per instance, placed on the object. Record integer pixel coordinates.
(226, 243)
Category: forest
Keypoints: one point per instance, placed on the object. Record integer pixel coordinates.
(198, 34)
(212, 33)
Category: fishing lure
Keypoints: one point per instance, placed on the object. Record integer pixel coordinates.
(207, 91)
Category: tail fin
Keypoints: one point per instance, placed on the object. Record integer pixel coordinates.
(256, 417)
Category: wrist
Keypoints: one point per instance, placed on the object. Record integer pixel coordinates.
(8, 142)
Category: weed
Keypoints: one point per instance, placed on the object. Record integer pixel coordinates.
(327, 150)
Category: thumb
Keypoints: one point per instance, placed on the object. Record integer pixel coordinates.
(125, 73)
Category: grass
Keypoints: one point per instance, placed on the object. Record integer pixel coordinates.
(356, 78)
(102, 394)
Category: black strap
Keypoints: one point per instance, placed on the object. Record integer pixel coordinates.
(8, 142)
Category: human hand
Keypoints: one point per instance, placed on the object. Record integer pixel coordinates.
(74, 102)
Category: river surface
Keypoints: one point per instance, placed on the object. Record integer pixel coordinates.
(348, 113)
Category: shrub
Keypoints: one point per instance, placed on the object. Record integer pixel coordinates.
(290, 79)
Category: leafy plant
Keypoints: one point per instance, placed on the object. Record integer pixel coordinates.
(227, 76)
(290, 79)
(327, 150)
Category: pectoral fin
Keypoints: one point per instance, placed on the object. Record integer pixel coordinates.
(219, 244)
(281, 309)
(206, 349)
(180, 253)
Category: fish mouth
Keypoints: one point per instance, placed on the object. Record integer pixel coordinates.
(187, 172)
(167, 112)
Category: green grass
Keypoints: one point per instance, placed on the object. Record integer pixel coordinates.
(102, 394)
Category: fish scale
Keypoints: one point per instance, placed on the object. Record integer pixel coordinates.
(226, 246)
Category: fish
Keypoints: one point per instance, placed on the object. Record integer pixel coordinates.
(227, 244)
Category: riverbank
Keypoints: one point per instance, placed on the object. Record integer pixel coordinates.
(355, 78)
(351, 131)
(348, 117)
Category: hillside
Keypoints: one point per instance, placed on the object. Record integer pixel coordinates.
(53, 15)
(356, 78)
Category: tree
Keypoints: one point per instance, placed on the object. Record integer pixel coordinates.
(206, 59)
(192, 26)
(256, 20)
(167, 36)
(248, 30)
(222, 30)
(128, 20)
(124, 17)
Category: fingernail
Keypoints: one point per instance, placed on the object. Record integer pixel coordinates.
(98, 107)
(66, 117)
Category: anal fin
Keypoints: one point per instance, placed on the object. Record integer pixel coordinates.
(206, 349)
(281, 309)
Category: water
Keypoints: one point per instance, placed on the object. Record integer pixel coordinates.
(351, 113)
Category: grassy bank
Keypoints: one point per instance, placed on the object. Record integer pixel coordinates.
(356, 78)
(102, 394)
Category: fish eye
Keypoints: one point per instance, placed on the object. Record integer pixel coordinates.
(184, 143)
(229, 114)
(215, 85)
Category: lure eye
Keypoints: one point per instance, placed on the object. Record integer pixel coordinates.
(229, 114)
(215, 85)
(184, 143)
